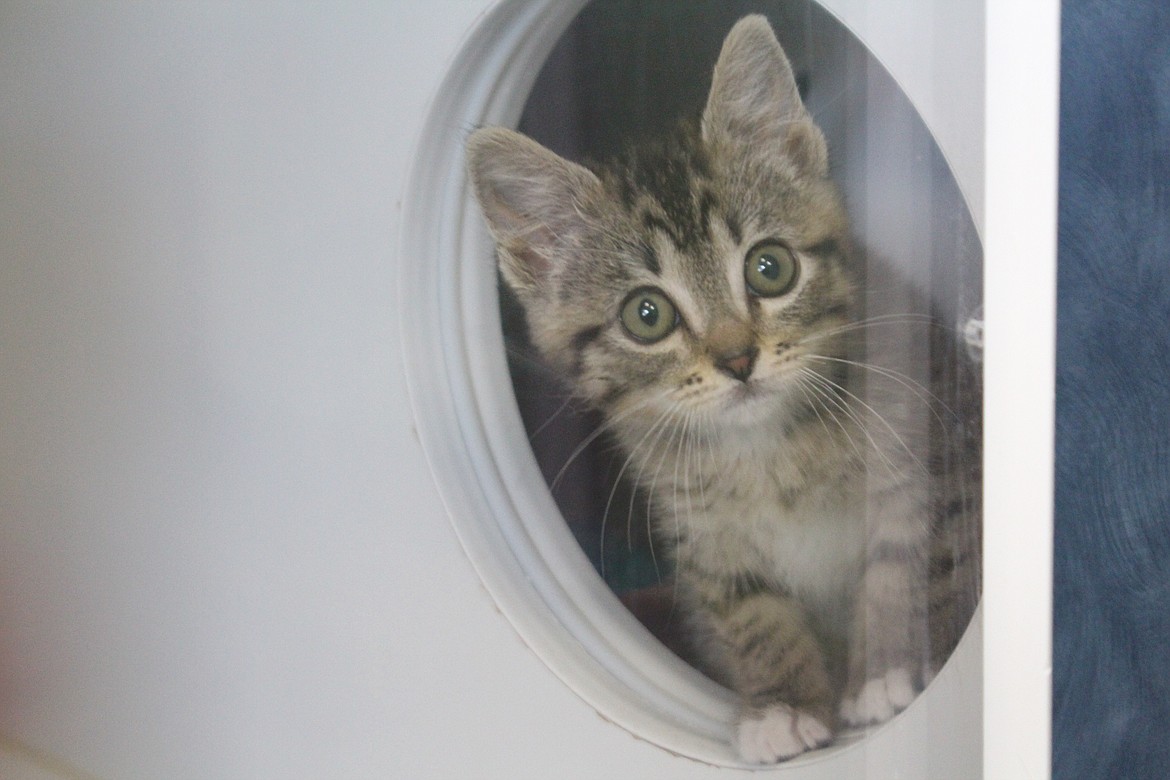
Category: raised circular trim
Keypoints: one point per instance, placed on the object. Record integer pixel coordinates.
(477, 448)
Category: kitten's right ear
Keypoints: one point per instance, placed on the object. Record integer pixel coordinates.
(531, 200)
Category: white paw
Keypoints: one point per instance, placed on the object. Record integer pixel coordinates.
(879, 699)
(778, 733)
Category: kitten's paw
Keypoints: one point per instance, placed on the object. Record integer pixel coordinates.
(880, 699)
(779, 733)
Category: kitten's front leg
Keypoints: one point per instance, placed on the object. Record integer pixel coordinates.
(762, 642)
(889, 646)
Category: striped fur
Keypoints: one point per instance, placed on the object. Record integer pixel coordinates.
(823, 509)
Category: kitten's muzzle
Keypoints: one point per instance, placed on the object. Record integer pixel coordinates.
(739, 366)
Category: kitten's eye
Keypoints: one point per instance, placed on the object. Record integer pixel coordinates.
(770, 269)
(648, 315)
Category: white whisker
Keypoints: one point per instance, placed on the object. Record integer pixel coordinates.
(559, 410)
(617, 480)
(676, 429)
(921, 391)
(819, 392)
(609, 423)
(869, 322)
(880, 419)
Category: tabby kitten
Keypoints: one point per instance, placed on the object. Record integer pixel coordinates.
(820, 505)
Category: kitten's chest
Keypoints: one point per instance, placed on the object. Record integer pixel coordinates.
(768, 516)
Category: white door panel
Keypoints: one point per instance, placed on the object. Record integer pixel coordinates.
(223, 552)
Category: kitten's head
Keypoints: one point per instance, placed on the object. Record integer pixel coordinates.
(695, 275)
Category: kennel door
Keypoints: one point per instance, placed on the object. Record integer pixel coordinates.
(265, 502)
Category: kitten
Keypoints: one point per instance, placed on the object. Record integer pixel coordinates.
(822, 508)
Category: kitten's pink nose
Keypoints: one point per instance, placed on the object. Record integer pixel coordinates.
(739, 366)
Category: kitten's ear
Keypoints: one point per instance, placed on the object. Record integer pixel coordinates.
(530, 198)
(754, 104)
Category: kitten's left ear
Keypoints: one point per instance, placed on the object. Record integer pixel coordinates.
(754, 104)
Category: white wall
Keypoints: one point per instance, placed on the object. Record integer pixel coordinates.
(220, 552)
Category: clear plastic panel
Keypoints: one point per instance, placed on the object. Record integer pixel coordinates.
(900, 392)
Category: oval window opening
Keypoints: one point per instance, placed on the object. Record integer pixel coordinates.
(760, 427)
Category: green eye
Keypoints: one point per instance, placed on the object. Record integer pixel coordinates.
(770, 269)
(648, 315)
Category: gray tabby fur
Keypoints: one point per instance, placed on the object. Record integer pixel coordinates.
(823, 512)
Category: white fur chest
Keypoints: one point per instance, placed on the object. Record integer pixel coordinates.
(809, 540)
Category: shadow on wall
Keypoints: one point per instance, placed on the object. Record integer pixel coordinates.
(1111, 681)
